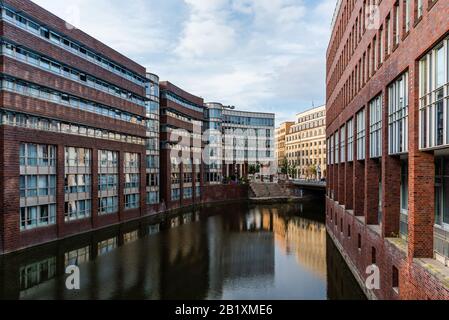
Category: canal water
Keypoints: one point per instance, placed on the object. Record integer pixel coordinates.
(235, 251)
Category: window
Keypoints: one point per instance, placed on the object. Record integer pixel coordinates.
(349, 231)
(77, 183)
(175, 194)
(350, 130)
(398, 115)
(107, 205)
(76, 210)
(131, 160)
(395, 279)
(337, 147)
(77, 157)
(373, 255)
(407, 4)
(37, 216)
(396, 24)
(37, 186)
(361, 135)
(132, 201)
(375, 108)
(107, 159)
(388, 34)
(331, 149)
(152, 197)
(107, 182)
(403, 223)
(442, 191)
(419, 8)
(342, 144)
(132, 180)
(37, 155)
(434, 88)
(187, 193)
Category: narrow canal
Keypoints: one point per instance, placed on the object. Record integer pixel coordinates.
(236, 251)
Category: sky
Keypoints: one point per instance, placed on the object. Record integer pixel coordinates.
(257, 55)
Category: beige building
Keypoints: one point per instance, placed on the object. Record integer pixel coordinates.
(281, 133)
(305, 145)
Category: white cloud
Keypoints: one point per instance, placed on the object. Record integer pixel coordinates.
(207, 32)
(264, 55)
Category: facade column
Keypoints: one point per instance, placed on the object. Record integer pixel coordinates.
(421, 181)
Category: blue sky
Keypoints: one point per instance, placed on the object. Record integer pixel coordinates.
(259, 55)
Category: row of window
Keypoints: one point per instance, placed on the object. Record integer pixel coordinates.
(37, 60)
(397, 127)
(434, 96)
(35, 91)
(248, 121)
(46, 124)
(9, 14)
(181, 101)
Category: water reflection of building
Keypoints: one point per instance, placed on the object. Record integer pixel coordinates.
(230, 262)
(303, 237)
(184, 257)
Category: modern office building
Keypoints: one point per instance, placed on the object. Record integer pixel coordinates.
(182, 120)
(281, 133)
(387, 132)
(305, 145)
(247, 139)
(73, 130)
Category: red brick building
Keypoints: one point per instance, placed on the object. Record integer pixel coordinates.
(182, 117)
(387, 135)
(81, 131)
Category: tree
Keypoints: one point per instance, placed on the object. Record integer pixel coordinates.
(254, 168)
(312, 171)
(284, 166)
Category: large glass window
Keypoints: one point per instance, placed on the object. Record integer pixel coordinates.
(37, 216)
(398, 115)
(77, 157)
(132, 201)
(76, 210)
(107, 182)
(350, 130)
(37, 155)
(375, 120)
(403, 224)
(342, 144)
(442, 191)
(331, 149)
(361, 131)
(77, 183)
(434, 101)
(107, 205)
(337, 147)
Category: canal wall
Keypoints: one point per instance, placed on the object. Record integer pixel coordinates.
(401, 278)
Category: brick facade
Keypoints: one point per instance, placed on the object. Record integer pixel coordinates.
(353, 80)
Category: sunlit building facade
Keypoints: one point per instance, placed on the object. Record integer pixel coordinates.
(305, 145)
(281, 133)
